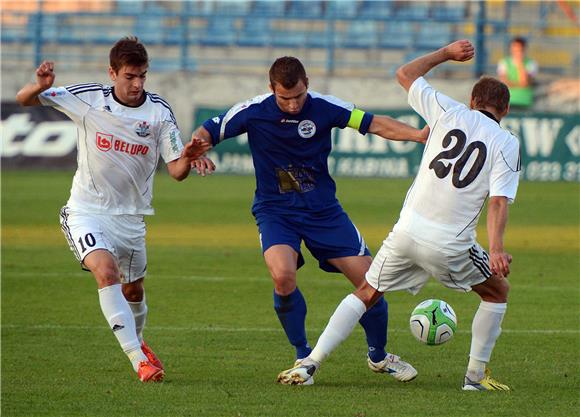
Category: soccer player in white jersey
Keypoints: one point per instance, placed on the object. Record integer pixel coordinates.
(122, 132)
(468, 158)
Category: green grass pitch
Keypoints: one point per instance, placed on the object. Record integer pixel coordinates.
(211, 318)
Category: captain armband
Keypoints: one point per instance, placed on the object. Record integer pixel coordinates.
(356, 117)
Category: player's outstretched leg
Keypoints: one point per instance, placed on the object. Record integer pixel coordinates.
(485, 329)
(116, 310)
(140, 309)
(375, 322)
(291, 311)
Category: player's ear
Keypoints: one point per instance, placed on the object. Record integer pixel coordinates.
(271, 87)
(506, 111)
(112, 74)
(471, 103)
(306, 82)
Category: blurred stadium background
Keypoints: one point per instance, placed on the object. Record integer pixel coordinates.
(355, 38)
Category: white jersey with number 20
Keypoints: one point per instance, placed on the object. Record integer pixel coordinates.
(118, 147)
(467, 158)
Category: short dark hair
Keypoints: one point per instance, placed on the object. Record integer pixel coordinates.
(489, 91)
(128, 51)
(287, 71)
(521, 40)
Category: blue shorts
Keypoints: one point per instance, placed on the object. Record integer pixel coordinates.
(327, 235)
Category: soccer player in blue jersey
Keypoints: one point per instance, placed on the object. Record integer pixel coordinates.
(289, 134)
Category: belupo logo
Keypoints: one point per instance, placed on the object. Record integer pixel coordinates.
(306, 129)
(104, 141)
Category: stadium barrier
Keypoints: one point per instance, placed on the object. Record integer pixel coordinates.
(550, 145)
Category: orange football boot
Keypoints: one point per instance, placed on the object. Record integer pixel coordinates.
(148, 372)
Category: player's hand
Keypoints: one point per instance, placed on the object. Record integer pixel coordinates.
(424, 134)
(460, 51)
(195, 149)
(45, 75)
(499, 263)
(203, 166)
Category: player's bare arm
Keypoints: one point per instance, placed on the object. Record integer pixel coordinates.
(28, 95)
(203, 165)
(393, 129)
(202, 134)
(497, 215)
(179, 168)
(459, 51)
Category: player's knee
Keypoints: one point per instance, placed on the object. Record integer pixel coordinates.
(367, 294)
(495, 290)
(133, 292)
(284, 281)
(106, 275)
(503, 290)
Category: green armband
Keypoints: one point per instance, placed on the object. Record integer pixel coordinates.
(355, 119)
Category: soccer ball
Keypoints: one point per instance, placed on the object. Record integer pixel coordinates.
(433, 322)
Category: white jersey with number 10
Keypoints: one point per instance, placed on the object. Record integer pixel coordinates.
(467, 158)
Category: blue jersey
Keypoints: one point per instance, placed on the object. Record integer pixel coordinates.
(290, 152)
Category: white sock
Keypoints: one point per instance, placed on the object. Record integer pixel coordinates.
(485, 330)
(119, 316)
(339, 327)
(139, 310)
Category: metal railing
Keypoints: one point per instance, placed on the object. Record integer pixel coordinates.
(338, 32)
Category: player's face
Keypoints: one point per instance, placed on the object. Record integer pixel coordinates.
(129, 83)
(290, 100)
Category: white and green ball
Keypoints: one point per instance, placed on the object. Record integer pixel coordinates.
(433, 322)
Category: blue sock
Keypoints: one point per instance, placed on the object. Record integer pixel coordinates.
(291, 310)
(375, 322)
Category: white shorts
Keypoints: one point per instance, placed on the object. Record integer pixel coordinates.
(405, 264)
(122, 235)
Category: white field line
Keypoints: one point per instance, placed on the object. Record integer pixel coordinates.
(222, 329)
(333, 280)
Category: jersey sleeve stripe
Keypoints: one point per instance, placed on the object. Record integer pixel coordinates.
(333, 100)
(156, 99)
(442, 108)
(518, 163)
(85, 90)
(238, 108)
(159, 98)
(74, 87)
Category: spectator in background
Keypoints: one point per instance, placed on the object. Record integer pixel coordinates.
(518, 72)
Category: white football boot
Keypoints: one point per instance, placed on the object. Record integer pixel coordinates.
(394, 366)
(300, 374)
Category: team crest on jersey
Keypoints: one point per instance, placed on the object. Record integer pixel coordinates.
(306, 129)
(143, 129)
(104, 141)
